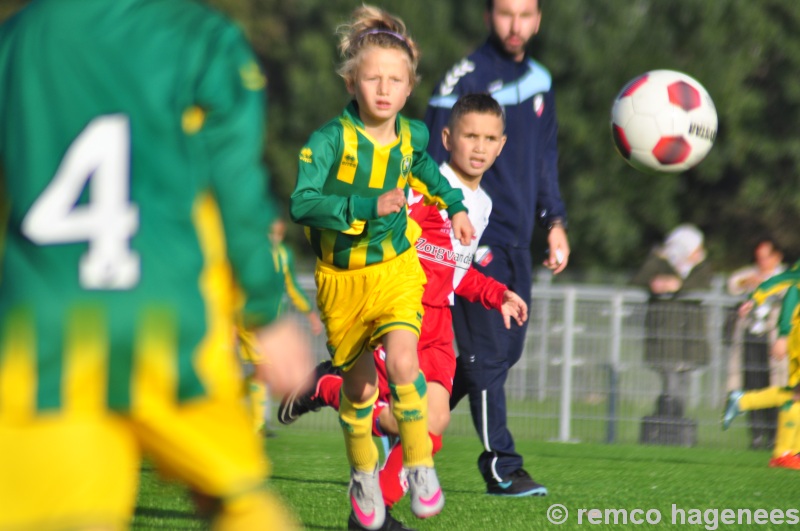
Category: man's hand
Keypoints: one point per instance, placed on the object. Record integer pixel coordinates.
(661, 284)
(286, 357)
(462, 228)
(513, 306)
(559, 250)
(391, 202)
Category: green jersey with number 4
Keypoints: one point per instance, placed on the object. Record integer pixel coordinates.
(110, 142)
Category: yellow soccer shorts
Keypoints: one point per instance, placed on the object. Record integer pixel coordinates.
(361, 305)
(60, 472)
(68, 472)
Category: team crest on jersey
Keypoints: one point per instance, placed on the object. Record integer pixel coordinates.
(483, 255)
(252, 76)
(538, 104)
(405, 166)
(305, 155)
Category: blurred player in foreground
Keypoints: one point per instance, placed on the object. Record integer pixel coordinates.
(132, 201)
(474, 137)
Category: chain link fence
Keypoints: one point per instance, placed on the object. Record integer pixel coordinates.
(597, 368)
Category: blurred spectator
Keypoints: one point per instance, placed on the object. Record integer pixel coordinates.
(750, 366)
(675, 326)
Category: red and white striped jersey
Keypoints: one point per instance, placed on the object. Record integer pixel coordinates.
(447, 263)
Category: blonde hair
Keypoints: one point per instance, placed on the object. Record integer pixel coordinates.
(372, 26)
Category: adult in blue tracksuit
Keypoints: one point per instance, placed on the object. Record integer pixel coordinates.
(523, 185)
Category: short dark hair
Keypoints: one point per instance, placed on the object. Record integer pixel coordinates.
(480, 102)
(490, 5)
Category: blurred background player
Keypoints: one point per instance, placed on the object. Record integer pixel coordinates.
(750, 365)
(257, 393)
(353, 177)
(133, 199)
(676, 340)
(523, 185)
(474, 137)
(787, 399)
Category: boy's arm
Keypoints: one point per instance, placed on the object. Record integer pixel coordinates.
(311, 207)
(477, 287)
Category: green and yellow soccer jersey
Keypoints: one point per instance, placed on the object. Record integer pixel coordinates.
(343, 171)
(788, 282)
(119, 119)
(284, 263)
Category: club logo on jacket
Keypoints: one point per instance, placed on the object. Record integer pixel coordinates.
(538, 104)
(483, 255)
(305, 155)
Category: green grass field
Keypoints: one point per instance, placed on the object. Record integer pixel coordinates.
(311, 473)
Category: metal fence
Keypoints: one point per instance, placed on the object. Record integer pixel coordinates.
(586, 375)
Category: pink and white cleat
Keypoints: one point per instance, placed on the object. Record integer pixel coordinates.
(427, 498)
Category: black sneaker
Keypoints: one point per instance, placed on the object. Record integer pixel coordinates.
(389, 524)
(299, 403)
(517, 484)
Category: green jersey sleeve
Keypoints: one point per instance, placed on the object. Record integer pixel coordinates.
(426, 178)
(789, 308)
(776, 284)
(231, 92)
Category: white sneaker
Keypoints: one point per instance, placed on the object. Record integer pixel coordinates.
(367, 499)
(427, 498)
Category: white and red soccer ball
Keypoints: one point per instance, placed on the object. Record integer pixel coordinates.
(663, 121)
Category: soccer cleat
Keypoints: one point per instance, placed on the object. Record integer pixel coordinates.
(787, 460)
(299, 403)
(390, 524)
(516, 485)
(366, 498)
(427, 498)
(731, 409)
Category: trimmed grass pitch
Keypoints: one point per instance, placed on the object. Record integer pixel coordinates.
(310, 472)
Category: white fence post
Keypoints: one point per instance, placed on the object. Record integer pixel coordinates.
(568, 347)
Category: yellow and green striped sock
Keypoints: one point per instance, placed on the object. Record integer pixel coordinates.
(410, 408)
(356, 422)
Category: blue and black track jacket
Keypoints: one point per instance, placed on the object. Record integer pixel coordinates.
(523, 183)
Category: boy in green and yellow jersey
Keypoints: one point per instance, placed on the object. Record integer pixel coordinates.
(352, 183)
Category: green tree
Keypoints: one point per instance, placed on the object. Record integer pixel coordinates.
(745, 53)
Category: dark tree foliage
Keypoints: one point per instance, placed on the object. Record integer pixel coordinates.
(746, 53)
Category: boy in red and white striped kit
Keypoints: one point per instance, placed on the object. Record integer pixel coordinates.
(474, 137)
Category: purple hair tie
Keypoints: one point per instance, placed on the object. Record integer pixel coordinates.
(394, 34)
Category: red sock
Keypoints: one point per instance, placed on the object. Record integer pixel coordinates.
(391, 486)
(437, 442)
(376, 423)
(328, 389)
